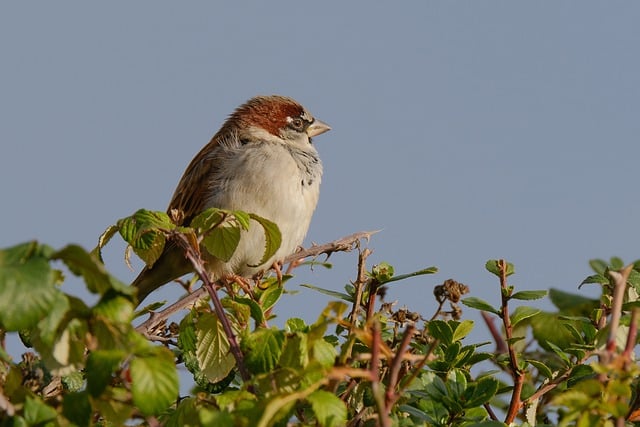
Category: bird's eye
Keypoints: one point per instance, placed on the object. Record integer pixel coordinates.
(297, 124)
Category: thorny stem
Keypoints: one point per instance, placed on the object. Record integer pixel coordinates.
(620, 286)
(371, 302)
(516, 373)
(344, 244)
(376, 388)
(359, 285)
(633, 335)
(198, 266)
(392, 395)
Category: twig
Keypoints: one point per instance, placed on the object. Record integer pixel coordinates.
(620, 286)
(344, 244)
(198, 266)
(359, 285)
(376, 388)
(516, 373)
(392, 395)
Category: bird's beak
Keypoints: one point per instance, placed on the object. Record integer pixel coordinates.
(317, 127)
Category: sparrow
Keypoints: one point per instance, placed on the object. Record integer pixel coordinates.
(261, 161)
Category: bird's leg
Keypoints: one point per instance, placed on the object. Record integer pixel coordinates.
(241, 281)
(277, 267)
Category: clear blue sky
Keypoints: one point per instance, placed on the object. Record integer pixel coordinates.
(464, 130)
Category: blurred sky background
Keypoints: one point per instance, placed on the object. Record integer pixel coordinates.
(464, 130)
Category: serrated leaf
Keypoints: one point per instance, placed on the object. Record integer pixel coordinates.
(104, 238)
(262, 349)
(222, 241)
(212, 348)
(324, 353)
(529, 295)
(154, 381)
(142, 232)
(480, 304)
(522, 313)
(493, 266)
(256, 311)
(329, 409)
(208, 219)
(270, 297)
(272, 237)
(295, 324)
(27, 285)
(243, 219)
(295, 352)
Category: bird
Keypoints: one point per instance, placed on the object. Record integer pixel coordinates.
(262, 161)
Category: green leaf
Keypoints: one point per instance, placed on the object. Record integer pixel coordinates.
(154, 381)
(114, 308)
(543, 369)
(76, 407)
(295, 353)
(480, 392)
(522, 313)
(91, 269)
(382, 272)
(480, 304)
(262, 349)
(599, 266)
(330, 410)
(529, 295)
(36, 412)
(572, 304)
(329, 292)
(142, 232)
(493, 266)
(594, 278)
(212, 348)
(272, 237)
(256, 311)
(429, 270)
(222, 241)
(295, 324)
(324, 353)
(557, 350)
(270, 297)
(462, 329)
(101, 365)
(27, 286)
(440, 330)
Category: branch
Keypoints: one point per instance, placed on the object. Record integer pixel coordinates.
(344, 244)
(516, 373)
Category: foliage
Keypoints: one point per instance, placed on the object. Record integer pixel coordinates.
(361, 363)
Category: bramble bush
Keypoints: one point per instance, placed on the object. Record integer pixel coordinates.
(361, 363)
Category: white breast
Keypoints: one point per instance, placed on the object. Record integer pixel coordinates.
(268, 180)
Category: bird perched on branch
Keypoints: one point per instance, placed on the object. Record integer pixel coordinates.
(261, 161)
